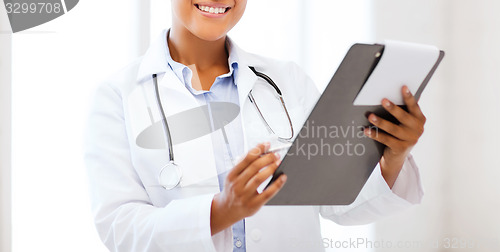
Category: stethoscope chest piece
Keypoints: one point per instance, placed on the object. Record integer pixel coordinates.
(170, 176)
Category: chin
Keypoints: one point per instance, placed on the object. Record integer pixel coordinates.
(210, 34)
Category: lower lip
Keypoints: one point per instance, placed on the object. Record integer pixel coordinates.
(211, 15)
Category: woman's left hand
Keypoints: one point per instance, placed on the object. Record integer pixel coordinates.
(399, 139)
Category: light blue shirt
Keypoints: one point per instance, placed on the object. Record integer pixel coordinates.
(222, 90)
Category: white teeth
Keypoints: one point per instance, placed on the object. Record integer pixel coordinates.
(212, 9)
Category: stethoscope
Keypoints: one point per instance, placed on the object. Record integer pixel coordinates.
(170, 175)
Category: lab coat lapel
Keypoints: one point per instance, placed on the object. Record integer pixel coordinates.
(245, 80)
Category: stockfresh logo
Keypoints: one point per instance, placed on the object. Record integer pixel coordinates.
(26, 14)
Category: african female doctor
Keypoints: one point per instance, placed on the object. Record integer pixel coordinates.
(195, 63)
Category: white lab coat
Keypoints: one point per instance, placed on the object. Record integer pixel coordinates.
(133, 213)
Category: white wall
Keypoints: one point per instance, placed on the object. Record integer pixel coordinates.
(5, 130)
(458, 153)
(55, 69)
(315, 34)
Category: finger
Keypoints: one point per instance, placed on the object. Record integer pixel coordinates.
(403, 117)
(251, 156)
(261, 176)
(389, 127)
(256, 166)
(384, 138)
(271, 191)
(412, 104)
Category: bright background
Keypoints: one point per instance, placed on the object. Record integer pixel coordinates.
(56, 66)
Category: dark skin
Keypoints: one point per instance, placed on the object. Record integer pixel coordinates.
(198, 41)
(399, 139)
(240, 198)
(206, 64)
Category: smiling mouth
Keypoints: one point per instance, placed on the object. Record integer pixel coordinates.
(212, 10)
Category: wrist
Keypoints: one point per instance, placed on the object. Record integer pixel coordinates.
(390, 168)
(220, 216)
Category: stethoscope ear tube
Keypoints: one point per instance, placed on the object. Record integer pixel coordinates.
(267, 79)
(280, 97)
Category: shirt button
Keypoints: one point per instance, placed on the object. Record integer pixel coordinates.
(256, 234)
(238, 243)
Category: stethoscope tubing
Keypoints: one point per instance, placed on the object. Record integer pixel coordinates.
(166, 130)
(171, 169)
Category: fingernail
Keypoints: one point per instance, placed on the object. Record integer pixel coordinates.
(277, 155)
(283, 178)
(407, 91)
(387, 103)
(373, 118)
(278, 162)
(368, 132)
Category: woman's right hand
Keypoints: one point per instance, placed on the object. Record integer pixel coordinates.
(240, 198)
